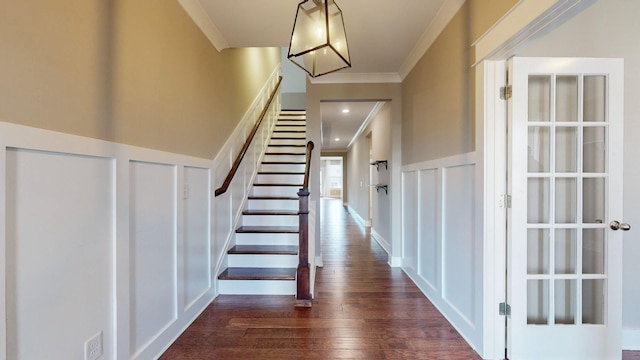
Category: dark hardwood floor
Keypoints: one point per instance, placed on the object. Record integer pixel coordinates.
(362, 309)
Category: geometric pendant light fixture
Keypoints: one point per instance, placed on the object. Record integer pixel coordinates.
(318, 40)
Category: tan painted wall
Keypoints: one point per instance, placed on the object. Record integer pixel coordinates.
(438, 95)
(486, 13)
(125, 70)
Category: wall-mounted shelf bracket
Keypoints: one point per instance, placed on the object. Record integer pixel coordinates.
(377, 164)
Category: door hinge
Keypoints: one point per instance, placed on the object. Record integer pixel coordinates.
(505, 92)
(505, 309)
(505, 201)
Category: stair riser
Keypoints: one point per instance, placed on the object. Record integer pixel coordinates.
(284, 158)
(282, 167)
(275, 190)
(270, 220)
(296, 135)
(287, 149)
(287, 142)
(292, 128)
(279, 179)
(294, 122)
(289, 205)
(263, 261)
(257, 287)
(266, 239)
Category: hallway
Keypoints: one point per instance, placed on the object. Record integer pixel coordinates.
(363, 309)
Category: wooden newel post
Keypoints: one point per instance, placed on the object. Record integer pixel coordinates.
(303, 274)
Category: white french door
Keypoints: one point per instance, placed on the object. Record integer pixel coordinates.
(564, 262)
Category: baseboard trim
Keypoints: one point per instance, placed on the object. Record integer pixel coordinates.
(357, 217)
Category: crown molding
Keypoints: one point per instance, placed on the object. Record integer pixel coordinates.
(356, 78)
(445, 14)
(197, 13)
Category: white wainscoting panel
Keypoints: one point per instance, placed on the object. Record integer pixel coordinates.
(196, 240)
(153, 251)
(459, 241)
(442, 242)
(59, 243)
(409, 224)
(430, 230)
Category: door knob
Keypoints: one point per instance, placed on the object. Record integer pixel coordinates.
(617, 225)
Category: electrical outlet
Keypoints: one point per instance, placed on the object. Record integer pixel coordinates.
(93, 347)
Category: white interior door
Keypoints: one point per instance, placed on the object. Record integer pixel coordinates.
(564, 261)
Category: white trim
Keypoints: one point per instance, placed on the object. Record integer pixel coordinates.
(445, 14)
(450, 161)
(356, 78)
(372, 114)
(525, 22)
(3, 251)
(357, 217)
(395, 261)
(319, 261)
(384, 244)
(493, 147)
(205, 23)
(631, 339)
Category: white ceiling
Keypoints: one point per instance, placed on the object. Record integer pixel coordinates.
(339, 127)
(386, 38)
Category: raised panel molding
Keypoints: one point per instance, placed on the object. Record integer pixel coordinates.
(153, 241)
(59, 252)
(441, 229)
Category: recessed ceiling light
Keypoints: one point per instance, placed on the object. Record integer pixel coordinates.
(345, 111)
(337, 139)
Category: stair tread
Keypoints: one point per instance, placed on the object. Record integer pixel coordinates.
(287, 138)
(287, 145)
(289, 131)
(241, 273)
(296, 125)
(276, 184)
(255, 197)
(280, 172)
(268, 229)
(270, 212)
(285, 153)
(264, 249)
(283, 162)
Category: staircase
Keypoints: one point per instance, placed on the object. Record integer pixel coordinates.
(264, 258)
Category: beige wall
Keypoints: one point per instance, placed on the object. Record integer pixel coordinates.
(437, 95)
(125, 71)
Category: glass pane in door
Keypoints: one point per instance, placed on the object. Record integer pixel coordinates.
(566, 149)
(539, 149)
(593, 301)
(594, 101)
(538, 251)
(566, 98)
(538, 302)
(539, 98)
(594, 146)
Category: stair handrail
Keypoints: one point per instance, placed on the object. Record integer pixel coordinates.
(236, 164)
(307, 167)
(303, 273)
